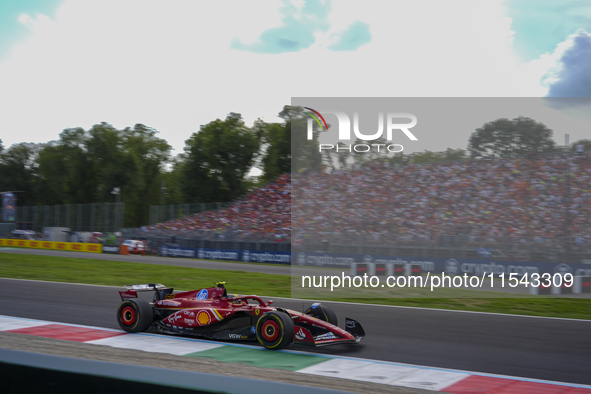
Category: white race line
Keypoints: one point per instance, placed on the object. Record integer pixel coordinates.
(383, 372)
(156, 344)
(396, 375)
(13, 323)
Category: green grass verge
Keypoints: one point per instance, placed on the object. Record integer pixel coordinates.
(115, 273)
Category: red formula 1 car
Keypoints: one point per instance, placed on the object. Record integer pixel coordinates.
(211, 313)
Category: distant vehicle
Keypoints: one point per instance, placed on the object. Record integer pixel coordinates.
(212, 313)
(135, 246)
(23, 234)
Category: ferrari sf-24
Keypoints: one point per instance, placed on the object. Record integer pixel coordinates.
(213, 314)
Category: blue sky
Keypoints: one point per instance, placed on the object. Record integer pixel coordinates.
(179, 64)
(541, 25)
(11, 30)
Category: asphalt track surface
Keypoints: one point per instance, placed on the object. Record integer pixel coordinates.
(538, 348)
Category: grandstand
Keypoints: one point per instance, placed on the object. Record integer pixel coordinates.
(528, 208)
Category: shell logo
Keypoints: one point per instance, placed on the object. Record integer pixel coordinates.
(203, 318)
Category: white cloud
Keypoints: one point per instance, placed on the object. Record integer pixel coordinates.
(169, 64)
(569, 74)
(38, 23)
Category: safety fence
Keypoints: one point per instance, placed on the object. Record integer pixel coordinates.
(97, 217)
(170, 213)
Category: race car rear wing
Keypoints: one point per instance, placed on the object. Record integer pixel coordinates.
(147, 287)
(160, 291)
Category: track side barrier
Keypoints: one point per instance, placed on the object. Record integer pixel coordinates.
(70, 246)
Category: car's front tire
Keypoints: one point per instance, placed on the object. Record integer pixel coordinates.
(275, 330)
(323, 313)
(135, 315)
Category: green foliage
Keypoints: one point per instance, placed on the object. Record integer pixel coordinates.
(85, 167)
(217, 160)
(68, 169)
(19, 171)
(171, 181)
(504, 137)
(305, 154)
(146, 155)
(276, 141)
(586, 145)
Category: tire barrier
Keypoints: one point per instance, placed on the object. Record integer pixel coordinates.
(582, 284)
(412, 269)
(398, 269)
(359, 269)
(380, 269)
(542, 289)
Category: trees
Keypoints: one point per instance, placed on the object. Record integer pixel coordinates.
(585, 143)
(504, 137)
(68, 169)
(304, 153)
(85, 166)
(19, 172)
(217, 160)
(276, 142)
(145, 155)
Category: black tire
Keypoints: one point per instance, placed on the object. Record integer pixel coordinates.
(323, 313)
(275, 330)
(135, 315)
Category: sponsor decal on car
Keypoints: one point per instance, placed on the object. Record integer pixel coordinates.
(202, 295)
(173, 318)
(315, 305)
(128, 294)
(189, 322)
(189, 313)
(301, 334)
(170, 296)
(350, 323)
(328, 335)
(253, 329)
(203, 318)
(168, 303)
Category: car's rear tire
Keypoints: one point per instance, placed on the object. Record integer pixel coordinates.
(135, 315)
(275, 330)
(323, 313)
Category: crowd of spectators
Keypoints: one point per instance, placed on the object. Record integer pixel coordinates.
(541, 202)
(262, 216)
(538, 201)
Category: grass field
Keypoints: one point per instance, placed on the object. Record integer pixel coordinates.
(114, 273)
